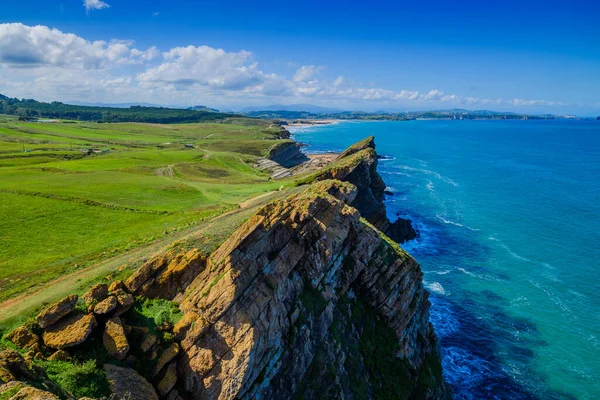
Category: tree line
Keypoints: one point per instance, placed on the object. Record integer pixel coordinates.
(27, 109)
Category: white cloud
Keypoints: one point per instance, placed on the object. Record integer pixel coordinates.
(205, 66)
(306, 73)
(34, 46)
(40, 62)
(94, 5)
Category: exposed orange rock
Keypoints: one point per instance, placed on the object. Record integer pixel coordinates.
(114, 339)
(23, 337)
(69, 331)
(54, 313)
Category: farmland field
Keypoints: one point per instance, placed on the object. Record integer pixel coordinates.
(76, 194)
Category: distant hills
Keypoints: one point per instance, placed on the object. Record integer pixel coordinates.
(146, 112)
(401, 116)
(31, 109)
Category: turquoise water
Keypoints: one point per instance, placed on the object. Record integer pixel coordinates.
(508, 214)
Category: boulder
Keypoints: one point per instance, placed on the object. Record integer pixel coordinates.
(95, 294)
(166, 383)
(54, 313)
(23, 337)
(114, 339)
(166, 357)
(70, 331)
(125, 301)
(116, 286)
(106, 305)
(148, 342)
(60, 355)
(127, 382)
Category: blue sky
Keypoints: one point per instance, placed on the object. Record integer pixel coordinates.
(524, 56)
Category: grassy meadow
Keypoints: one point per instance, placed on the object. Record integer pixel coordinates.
(76, 194)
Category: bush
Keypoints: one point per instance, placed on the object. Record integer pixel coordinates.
(156, 312)
(81, 380)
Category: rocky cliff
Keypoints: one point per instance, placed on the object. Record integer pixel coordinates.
(307, 299)
(358, 165)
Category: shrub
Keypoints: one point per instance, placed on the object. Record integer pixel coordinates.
(81, 380)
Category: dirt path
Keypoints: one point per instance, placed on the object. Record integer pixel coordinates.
(53, 290)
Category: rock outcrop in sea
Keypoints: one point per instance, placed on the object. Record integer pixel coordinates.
(307, 299)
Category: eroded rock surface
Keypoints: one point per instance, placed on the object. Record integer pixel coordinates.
(69, 331)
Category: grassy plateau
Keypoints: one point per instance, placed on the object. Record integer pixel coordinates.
(82, 196)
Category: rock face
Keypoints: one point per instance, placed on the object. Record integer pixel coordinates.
(260, 318)
(126, 382)
(57, 311)
(69, 331)
(287, 154)
(358, 166)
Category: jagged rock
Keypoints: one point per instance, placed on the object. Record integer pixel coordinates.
(23, 337)
(401, 231)
(125, 301)
(54, 313)
(106, 305)
(31, 393)
(166, 274)
(358, 166)
(166, 357)
(126, 382)
(167, 382)
(148, 342)
(114, 339)
(96, 294)
(60, 355)
(287, 154)
(69, 331)
(269, 294)
(116, 286)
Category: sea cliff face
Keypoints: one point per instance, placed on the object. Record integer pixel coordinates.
(307, 299)
(308, 296)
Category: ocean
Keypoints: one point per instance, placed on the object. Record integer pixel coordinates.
(508, 215)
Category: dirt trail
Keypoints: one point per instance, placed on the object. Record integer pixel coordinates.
(52, 290)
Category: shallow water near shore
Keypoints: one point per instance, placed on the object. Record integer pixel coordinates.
(508, 214)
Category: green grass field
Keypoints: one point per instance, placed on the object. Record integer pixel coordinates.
(75, 194)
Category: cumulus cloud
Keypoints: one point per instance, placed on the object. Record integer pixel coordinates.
(187, 66)
(33, 46)
(306, 73)
(94, 5)
(45, 63)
